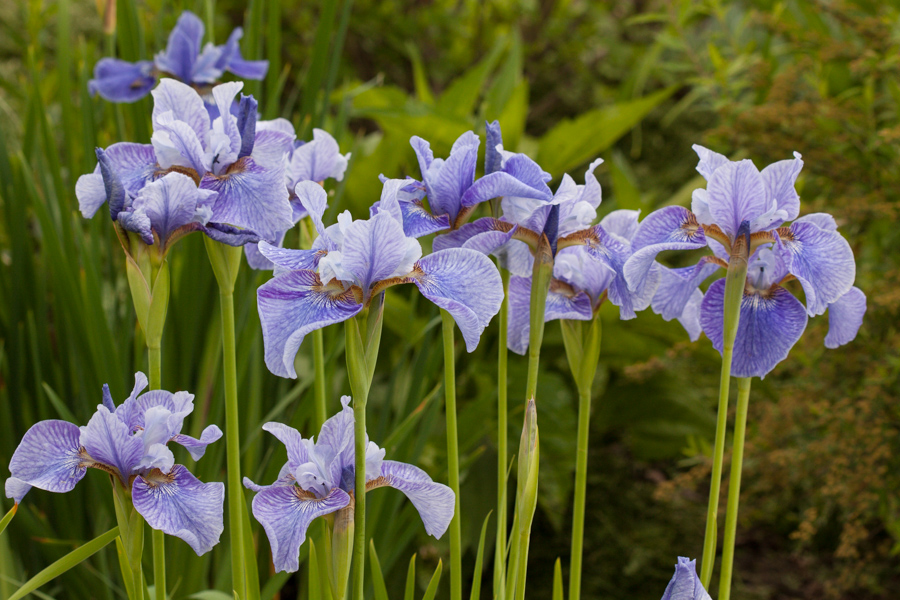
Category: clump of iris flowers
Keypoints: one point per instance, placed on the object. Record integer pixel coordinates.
(183, 59)
(129, 442)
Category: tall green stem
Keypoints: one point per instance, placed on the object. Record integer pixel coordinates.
(502, 443)
(734, 487)
(542, 273)
(734, 293)
(452, 454)
(158, 537)
(233, 445)
(358, 371)
(319, 381)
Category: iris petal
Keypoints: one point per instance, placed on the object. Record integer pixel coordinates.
(121, 81)
(685, 584)
(736, 193)
(559, 306)
(49, 457)
(823, 263)
(109, 441)
(434, 501)
(181, 505)
(845, 318)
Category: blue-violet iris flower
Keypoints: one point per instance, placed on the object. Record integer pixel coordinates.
(452, 190)
(129, 442)
(316, 161)
(183, 59)
(744, 211)
(685, 584)
(318, 479)
(353, 261)
(224, 176)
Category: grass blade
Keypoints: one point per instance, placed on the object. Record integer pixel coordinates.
(479, 560)
(410, 579)
(377, 575)
(432, 588)
(8, 517)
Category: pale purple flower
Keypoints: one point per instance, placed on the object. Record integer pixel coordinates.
(130, 443)
(354, 260)
(183, 59)
(745, 210)
(685, 584)
(235, 165)
(319, 477)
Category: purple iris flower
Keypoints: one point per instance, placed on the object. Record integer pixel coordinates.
(316, 161)
(183, 59)
(224, 177)
(582, 282)
(130, 443)
(685, 584)
(318, 479)
(354, 260)
(452, 190)
(744, 211)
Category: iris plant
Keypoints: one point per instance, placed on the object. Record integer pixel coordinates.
(750, 317)
(685, 585)
(318, 480)
(183, 59)
(130, 443)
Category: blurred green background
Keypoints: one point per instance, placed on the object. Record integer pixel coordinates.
(636, 82)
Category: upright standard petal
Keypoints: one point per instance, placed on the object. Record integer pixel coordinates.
(456, 175)
(252, 197)
(709, 161)
(49, 457)
(736, 193)
(173, 202)
(376, 248)
(822, 261)
(292, 440)
(185, 104)
(317, 160)
(434, 501)
(183, 47)
(780, 178)
(232, 60)
(685, 584)
(286, 513)
(466, 284)
(121, 81)
(292, 305)
(845, 318)
(769, 326)
(179, 504)
(109, 441)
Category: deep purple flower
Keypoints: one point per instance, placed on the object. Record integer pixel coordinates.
(744, 211)
(318, 479)
(130, 443)
(224, 177)
(353, 261)
(685, 584)
(316, 161)
(183, 59)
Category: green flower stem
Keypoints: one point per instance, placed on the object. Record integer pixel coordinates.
(158, 537)
(734, 487)
(502, 443)
(358, 371)
(319, 381)
(583, 353)
(734, 293)
(540, 285)
(452, 454)
(131, 540)
(233, 444)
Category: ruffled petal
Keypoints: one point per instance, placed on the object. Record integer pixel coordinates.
(172, 202)
(49, 457)
(121, 81)
(317, 160)
(669, 228)
(181, 505)
(500, 184)
(271, 147)
(16, 489)
(91, 193)
(823, 263)
(286, 512)
(486, 235)
(580, 269)
(286, 259)
(224, 95)
(292, 305)
(434, 501)
(845, 318)
(185, 104)
(623, 223)
(685, 584)
(820, 220)
(252, 197)
(466, 284)
(736, 193)
(456, 175)
(292, 440)
(769, 326)
(779, 178)
(375, 249)
(109, 441)
(175, 143)
(197, 448)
